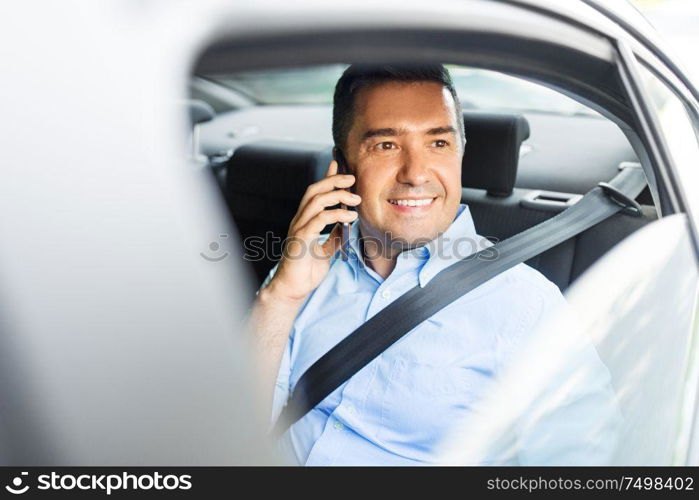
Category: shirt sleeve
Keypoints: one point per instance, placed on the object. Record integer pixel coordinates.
(574, 419)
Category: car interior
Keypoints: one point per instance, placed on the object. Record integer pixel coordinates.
(123, 343)
(520, 167)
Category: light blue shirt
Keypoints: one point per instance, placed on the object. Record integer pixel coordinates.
(399, 409)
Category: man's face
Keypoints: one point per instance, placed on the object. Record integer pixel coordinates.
(405, 152)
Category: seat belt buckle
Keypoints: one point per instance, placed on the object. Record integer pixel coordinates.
(629, 206)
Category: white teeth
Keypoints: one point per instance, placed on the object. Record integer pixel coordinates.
(412, 203)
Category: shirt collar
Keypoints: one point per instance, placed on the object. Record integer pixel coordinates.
(355, 258)
(457, 242)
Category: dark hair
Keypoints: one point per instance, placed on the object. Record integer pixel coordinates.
(360, 76)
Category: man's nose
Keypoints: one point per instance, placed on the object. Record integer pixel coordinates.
(413, 169)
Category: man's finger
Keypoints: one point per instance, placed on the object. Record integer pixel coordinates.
(321, 201)
(332, 169)
(325, 185)
(326, 217)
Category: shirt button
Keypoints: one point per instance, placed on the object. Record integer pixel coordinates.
(386, 294)
(350, 409)
(338, 426)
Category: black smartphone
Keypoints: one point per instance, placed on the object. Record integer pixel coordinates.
(342, 169)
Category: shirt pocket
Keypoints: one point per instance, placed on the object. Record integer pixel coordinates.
(422, 405)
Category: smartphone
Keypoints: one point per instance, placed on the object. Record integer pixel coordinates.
(342, 169)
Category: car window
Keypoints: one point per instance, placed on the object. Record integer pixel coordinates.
(477, 88)
(679, 132)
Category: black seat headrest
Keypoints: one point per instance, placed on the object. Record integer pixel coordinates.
(277, 169)
(492, 151)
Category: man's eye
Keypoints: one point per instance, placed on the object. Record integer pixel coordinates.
(385, 146)
(441, 143)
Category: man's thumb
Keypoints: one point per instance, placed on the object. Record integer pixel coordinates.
(334, 241)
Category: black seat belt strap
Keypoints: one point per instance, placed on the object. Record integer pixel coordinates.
(390, 324)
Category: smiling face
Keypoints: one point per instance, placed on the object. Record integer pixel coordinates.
(406, 153)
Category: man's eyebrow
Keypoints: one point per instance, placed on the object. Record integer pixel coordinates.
(441, 130)
(379, 132)
(391, 132)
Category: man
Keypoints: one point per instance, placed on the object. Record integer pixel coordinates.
(401, 131)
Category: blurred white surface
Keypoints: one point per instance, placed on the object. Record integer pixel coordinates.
(119, 343)
(640, 323)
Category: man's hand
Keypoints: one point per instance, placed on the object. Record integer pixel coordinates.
(305, 262)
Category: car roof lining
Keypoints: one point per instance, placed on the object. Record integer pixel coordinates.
(587, 79)
(485, 16)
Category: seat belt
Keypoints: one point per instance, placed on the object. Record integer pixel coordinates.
(416, 305)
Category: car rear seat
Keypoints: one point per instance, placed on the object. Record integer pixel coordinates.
(263, 183)
(500, 210)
